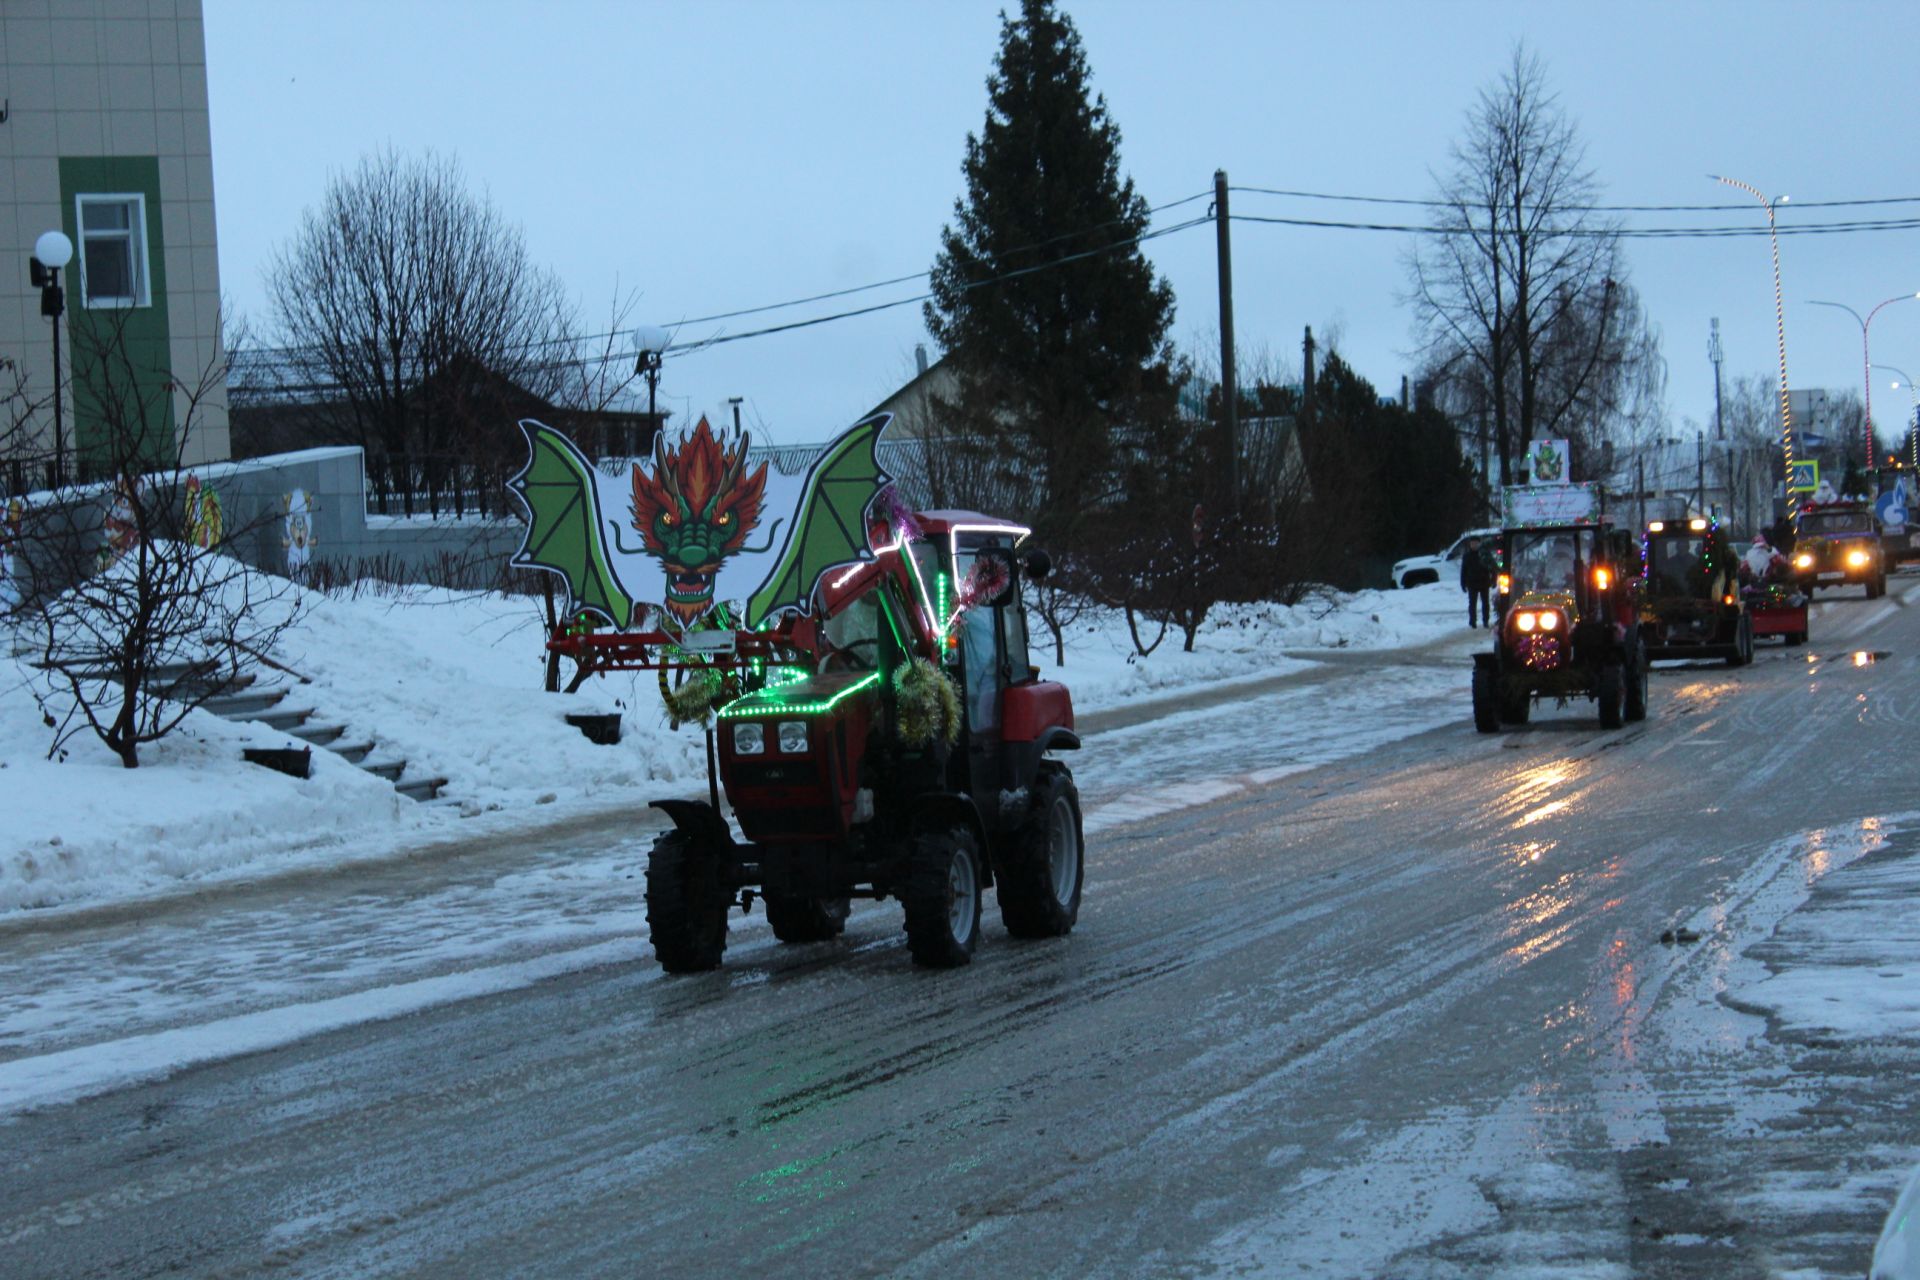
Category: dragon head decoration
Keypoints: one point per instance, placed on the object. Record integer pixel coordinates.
(694, 511)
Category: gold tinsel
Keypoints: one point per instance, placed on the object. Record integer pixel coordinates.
(692, 702)
(929, 707)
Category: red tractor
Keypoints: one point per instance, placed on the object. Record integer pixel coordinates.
(894, 744)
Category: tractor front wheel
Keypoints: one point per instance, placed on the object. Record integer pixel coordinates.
(942, 898)
(1039, 883)
(1612, 693)
(1636, 681)
(686, 904)
(1486, 699)
(796, 919)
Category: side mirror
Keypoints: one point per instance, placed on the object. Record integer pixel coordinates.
(1011, 586)
(1039, 565)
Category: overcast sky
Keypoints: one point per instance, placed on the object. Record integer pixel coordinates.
(721, 155)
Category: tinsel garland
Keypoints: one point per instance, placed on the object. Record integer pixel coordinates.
(987, 579)
(929, 707)
(692, 702)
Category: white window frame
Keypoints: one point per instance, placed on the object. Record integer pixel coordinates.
(142, 278)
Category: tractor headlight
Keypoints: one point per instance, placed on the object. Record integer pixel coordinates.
(1524, 622)
(1549, 621)
(1857, 559)
(1803, 561)
(749, 739)
(793, 737)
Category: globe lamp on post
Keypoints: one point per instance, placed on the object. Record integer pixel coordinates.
(52, 252)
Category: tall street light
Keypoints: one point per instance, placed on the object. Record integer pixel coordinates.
(650, 343)
(1913, 422)
(1866, 355)
(1779, 319)
(51, 252)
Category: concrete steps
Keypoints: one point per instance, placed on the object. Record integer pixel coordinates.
(244, 699)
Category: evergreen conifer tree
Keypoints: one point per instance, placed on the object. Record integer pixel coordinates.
(1064, 366)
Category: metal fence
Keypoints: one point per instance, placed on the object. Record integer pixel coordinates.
(434, 485)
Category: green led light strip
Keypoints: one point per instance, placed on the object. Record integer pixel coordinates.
(769, 706)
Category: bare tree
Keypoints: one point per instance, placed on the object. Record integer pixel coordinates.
(138, 616)
(402, 302)
(1519, 290)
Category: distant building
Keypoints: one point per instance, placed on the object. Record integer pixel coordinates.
(106, 137)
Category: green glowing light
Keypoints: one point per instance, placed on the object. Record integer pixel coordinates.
(764, 703)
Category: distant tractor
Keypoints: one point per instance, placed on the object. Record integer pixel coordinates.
(1569, 625)
(1692, 605)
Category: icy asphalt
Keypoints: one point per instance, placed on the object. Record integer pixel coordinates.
(1355, 992)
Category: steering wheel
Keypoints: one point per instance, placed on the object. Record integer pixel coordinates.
(843, 658)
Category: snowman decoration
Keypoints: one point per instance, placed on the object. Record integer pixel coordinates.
(298, 538)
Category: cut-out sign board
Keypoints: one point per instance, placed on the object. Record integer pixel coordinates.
(695, 525)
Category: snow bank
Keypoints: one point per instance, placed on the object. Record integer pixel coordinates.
(1241, 642)
(451, 682)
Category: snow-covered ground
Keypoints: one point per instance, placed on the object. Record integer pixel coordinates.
(452, 683)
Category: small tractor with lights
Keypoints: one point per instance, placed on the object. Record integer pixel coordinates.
(1837, 544)
(894, 743)
(1691, 601)
(1569, 624)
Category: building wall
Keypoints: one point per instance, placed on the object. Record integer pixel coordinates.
(112, 92)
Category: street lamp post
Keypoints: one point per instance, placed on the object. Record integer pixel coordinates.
(650, 347)
(51, 252)
(1913, 421)
(1779, 319)
(1866, 357)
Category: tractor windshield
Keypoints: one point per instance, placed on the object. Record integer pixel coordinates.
(1676, 566)
(1547, 559)
(852, 635)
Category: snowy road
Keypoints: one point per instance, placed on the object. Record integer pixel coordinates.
(1356, 991)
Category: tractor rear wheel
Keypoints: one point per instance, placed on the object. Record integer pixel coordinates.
(942, 898)
(1742, 643)
(686, 904)
(1637, 678)
(1612, 692)
(1039, 882)
(798, 919)
(1486, 699)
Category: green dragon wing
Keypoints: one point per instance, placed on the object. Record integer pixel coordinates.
(563, 524)
(830, 526)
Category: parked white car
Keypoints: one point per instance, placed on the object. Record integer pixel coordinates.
(1418, 570)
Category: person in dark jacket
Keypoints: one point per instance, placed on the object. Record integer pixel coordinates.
(1476, 579)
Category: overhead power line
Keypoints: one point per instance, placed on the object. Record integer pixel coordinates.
(1586, 208)
(1629, 233)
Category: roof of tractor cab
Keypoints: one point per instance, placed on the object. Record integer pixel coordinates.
(948, 521)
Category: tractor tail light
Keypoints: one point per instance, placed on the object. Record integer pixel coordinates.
(1727, 598)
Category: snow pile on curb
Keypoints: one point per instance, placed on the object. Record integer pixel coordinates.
(1240, 642)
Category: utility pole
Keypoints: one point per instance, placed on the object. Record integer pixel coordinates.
(1640, 487)
(1229, 386)
(1700, 472)
(1714, 354)
(1306, 378)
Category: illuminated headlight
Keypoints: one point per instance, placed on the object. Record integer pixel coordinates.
(793, 737)
(1803, 561)
(1857, 559)
(749, 739)
(1548, 621)
(1524, 622)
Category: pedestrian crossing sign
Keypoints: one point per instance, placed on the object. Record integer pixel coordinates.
(1803, 476)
